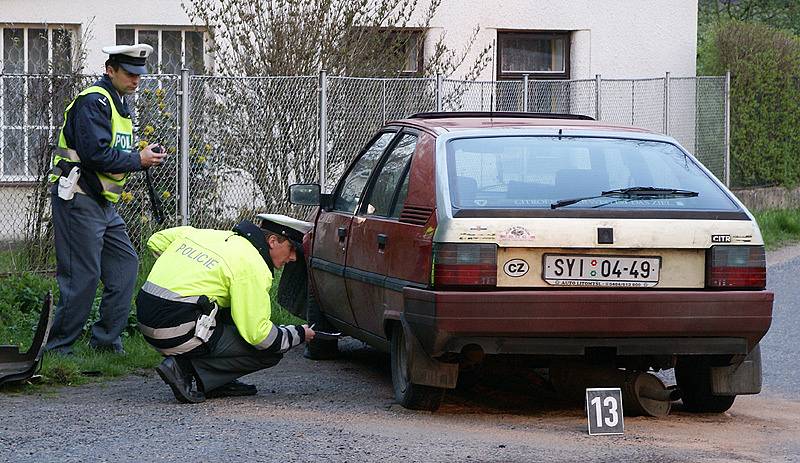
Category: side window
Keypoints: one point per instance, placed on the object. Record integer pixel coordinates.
(401, 198)
(382, 194)
(352, 186)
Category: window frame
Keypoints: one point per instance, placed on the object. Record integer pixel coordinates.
(26, 127)
(208, 62)
(419, 36)
(390, 33)
(540, 75)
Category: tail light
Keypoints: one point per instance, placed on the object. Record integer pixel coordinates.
(456, 264)
(736, 267)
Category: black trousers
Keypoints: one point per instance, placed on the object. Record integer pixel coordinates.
(227, 359)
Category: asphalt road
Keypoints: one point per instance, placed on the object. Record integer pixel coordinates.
(343, 411)
(780, 348)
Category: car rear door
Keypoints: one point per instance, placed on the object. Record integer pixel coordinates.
(331, 237)
(373, 231)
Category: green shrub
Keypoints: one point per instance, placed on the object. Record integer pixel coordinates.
(765, 100)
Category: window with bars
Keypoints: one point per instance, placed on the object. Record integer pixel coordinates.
(542, 55)
(36, 61)
(173, 49)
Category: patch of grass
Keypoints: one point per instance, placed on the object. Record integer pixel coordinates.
(279, 315)
(779, 226)
(87, 365)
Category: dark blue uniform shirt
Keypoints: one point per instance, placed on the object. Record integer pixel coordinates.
(88, 131)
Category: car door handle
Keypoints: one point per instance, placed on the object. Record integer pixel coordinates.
(341, 232)
(382, 239)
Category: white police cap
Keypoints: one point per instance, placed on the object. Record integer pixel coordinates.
(132, 58)
(284, 225)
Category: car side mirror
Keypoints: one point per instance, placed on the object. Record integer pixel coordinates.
(307, 194)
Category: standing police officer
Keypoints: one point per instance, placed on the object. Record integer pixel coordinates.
(206, 306)
(92, 162)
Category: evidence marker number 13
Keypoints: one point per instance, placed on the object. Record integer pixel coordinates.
(604, 411)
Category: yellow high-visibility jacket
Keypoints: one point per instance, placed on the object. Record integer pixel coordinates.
(221, 265)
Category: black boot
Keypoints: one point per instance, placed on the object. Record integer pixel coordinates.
(235, 388)
(179, 382)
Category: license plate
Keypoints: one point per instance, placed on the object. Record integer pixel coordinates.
(577, 270)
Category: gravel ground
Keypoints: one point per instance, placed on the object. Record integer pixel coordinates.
(343, 411)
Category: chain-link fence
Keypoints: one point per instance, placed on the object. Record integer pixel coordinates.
(240, 142)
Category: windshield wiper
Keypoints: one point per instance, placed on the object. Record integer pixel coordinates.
(635, 192)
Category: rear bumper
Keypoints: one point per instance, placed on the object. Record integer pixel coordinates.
(567, 322)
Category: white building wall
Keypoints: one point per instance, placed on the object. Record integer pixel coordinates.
(615, 38)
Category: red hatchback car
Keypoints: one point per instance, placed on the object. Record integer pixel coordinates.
(453, 236)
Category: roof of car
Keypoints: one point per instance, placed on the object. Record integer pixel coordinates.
(440, 122)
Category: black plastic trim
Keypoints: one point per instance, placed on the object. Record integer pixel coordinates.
(623, 346)
(495, 114)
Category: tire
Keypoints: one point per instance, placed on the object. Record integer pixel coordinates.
(694, 381)
(407, 394)
(318, 349)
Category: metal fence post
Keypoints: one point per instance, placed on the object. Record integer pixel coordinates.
(438, 93)
(598, 96)
(525, 95)
(183, 200)
(383, 98)
(728, 127)
(323, 128)
(666, 104)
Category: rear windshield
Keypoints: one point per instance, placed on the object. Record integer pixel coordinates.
(534, 172)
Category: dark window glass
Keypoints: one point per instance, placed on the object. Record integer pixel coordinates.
(194, 52)
(531, 53)
(37, 51)
(126, 37)
(541, 55)
(401, 197)
(13, 51)
(171, 54)
(38, 100)
(151, 38)
(380, 199)
(352, 187)
(13, 100)
(13, 152)
(37, 151)
(62, 51)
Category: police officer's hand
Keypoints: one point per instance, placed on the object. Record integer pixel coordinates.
(309, 333)
(149, 158)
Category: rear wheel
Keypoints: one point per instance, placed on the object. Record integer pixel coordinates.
(694, 381)
(408, 394)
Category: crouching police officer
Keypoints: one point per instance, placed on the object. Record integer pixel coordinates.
(206, 306)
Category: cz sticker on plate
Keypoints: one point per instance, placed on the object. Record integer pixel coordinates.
(593, 270)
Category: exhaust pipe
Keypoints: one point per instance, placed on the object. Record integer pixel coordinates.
(643, 394)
